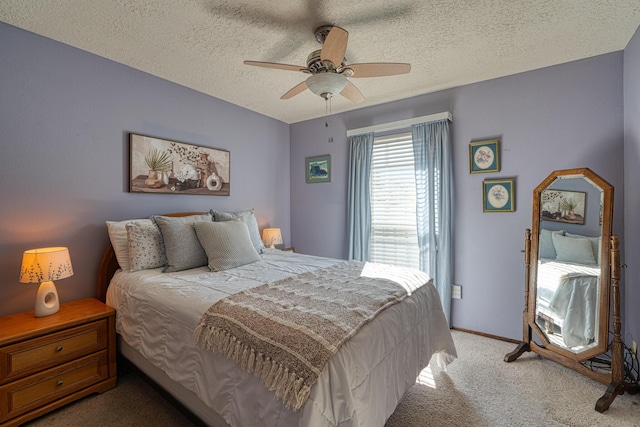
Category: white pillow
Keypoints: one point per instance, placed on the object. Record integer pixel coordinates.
(545, 244)
(227, 244)
(118, 235)
(596, 243)
(145, 246)
(573, 249)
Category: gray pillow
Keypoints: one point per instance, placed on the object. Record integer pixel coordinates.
(181, 244)
(227, 244)
(145, 246)
(247, 216)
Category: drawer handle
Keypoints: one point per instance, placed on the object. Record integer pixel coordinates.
(59, 383)
(59, 348)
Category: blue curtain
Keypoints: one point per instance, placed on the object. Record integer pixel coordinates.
(434, 204)
(359, 196)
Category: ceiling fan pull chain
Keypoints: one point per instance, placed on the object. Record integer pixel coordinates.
(327, 113)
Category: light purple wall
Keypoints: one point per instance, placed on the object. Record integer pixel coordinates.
(65, 115)
(559, 117)
(631, 275)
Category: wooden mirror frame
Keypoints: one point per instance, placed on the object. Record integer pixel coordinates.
(609, 280)
(602, 328)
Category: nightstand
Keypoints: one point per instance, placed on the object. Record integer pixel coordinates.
(48, 362)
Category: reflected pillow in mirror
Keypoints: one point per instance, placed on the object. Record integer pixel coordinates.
(545, 244)
(596, 243)
(573, 249)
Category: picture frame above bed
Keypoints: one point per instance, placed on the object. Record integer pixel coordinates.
(158, 165)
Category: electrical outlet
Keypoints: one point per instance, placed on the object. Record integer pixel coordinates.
(456, 291)
(634, 349)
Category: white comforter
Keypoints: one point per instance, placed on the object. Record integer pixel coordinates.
(157, 313)
(570, 292)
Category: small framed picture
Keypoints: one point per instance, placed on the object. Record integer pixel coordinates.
(498, 195)
(484, 156)
(318, 169)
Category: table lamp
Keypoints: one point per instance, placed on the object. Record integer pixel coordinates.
(43, 266)
(272, 237)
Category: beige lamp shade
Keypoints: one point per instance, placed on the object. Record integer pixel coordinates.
(271, 237)
(43, 266)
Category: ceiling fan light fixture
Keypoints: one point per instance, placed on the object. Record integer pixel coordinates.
(326, 84)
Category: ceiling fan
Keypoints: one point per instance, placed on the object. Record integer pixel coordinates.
(328, 68)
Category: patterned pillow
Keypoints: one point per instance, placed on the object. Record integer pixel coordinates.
(226, 243)
(247, 216)
(145, 246)
(181, 244)
(118, 235)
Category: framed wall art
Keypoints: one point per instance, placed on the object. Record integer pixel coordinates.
(159, 165)
(563, 206)
(484, 156)
(318, 169)
(498, 195)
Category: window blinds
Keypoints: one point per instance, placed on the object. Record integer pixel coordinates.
(394, 238)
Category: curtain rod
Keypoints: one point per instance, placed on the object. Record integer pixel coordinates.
(401, 124)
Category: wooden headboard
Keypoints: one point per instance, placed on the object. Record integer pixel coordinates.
(109, 263)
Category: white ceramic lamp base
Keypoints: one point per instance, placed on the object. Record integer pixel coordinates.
(47, 301)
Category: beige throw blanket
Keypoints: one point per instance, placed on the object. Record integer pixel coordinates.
(285, 332)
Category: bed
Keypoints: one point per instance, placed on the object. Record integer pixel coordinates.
(157, 313)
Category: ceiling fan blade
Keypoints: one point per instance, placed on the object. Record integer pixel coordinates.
(276, 65)
(352, 93)
(379, 69)
(299, 88)
(335, 46)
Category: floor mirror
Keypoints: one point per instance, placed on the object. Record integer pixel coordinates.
(572, 278)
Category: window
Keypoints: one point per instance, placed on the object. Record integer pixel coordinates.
(394, 238)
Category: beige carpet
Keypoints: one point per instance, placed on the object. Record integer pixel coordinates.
(478, 389)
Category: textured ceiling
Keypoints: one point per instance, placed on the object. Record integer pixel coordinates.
(201, 43)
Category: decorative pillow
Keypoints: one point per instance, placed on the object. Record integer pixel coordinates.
(545, 244)
(181, 244)
(248, 217)
(145, 246)
(118, 235)
(226, 243)
(573, 249)
(596, 244)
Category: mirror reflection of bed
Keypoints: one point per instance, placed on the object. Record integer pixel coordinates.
(567, 301)
(568, 273)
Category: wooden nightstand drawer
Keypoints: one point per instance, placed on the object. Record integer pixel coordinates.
(40, 353)
(31, 392)
(48, 362)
